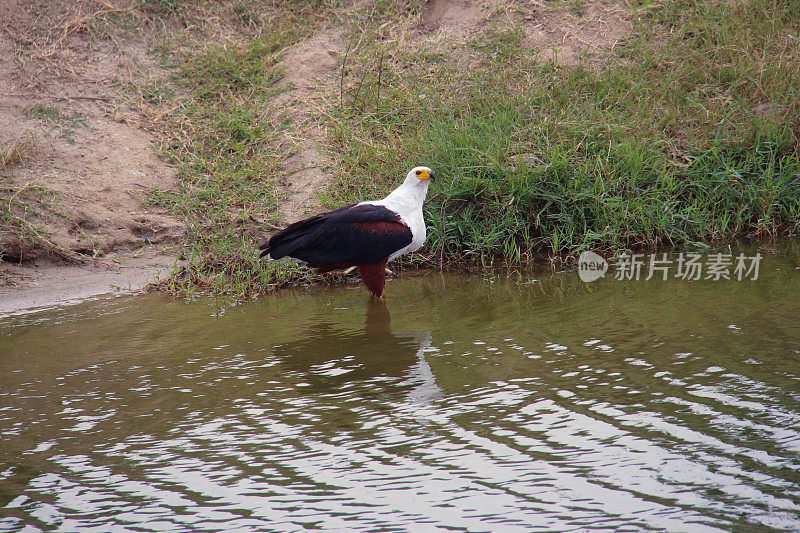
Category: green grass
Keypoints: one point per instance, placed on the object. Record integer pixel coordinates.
(54, 115)
(687, 137)
(56, 119)
(213, 122)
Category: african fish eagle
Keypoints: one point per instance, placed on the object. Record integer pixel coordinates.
(366, 235)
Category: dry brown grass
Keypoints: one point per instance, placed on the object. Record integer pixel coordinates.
(17, 151)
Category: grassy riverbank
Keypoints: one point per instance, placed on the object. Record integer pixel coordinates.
(688, 134)
(685, 134)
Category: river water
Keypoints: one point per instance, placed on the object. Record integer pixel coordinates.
(497, 402)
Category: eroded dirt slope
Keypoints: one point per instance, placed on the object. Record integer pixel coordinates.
(63, 87)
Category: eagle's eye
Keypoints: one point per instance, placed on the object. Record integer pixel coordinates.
(419, 172)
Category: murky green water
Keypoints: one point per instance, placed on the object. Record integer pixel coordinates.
(464, 404)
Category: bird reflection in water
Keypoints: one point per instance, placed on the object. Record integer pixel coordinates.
(329, 357)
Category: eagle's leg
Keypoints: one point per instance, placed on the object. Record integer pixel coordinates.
(374, 277)
(348, 271)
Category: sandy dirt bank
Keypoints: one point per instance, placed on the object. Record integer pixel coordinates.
(50, 285)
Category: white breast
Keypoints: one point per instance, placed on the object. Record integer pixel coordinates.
(417, 225)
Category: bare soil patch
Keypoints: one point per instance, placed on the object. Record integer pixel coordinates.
(64, 87)
(565, 33)
(309, 81)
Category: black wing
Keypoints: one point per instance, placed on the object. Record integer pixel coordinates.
(355, 234)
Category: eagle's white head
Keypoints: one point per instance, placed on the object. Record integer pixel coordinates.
(419, 176)
(410, 195)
